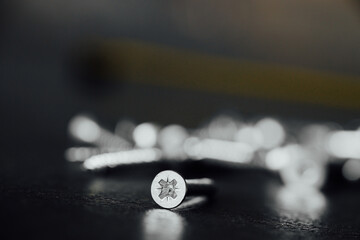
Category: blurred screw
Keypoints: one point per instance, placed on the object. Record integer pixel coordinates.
(122, 158)
(303, 167)
(145, 135)
(85, 129)
(171, 140)
(80, 154)
(220, 150)
(125, 128)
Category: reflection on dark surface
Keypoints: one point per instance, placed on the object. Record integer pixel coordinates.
(97, 186)
(161, 224)
(192, 202)
(300, 202)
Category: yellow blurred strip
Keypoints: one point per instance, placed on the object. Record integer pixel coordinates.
(159, 65)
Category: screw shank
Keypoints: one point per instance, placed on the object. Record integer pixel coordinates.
(203, 186)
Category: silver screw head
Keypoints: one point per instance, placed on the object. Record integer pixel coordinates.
(168, 189)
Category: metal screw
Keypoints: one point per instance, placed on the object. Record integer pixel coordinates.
(169, 189)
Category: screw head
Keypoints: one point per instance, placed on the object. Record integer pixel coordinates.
(168, 189)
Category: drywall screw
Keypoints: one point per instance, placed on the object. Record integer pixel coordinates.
(122, 158)
(169, 189)
(80, 154)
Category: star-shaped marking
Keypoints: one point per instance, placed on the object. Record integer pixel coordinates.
(167, 189)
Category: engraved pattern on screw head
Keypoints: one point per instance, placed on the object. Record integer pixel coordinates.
(168, 189)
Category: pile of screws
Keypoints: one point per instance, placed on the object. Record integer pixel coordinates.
(300, 156)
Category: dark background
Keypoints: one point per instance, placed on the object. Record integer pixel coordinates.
(43, 84)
